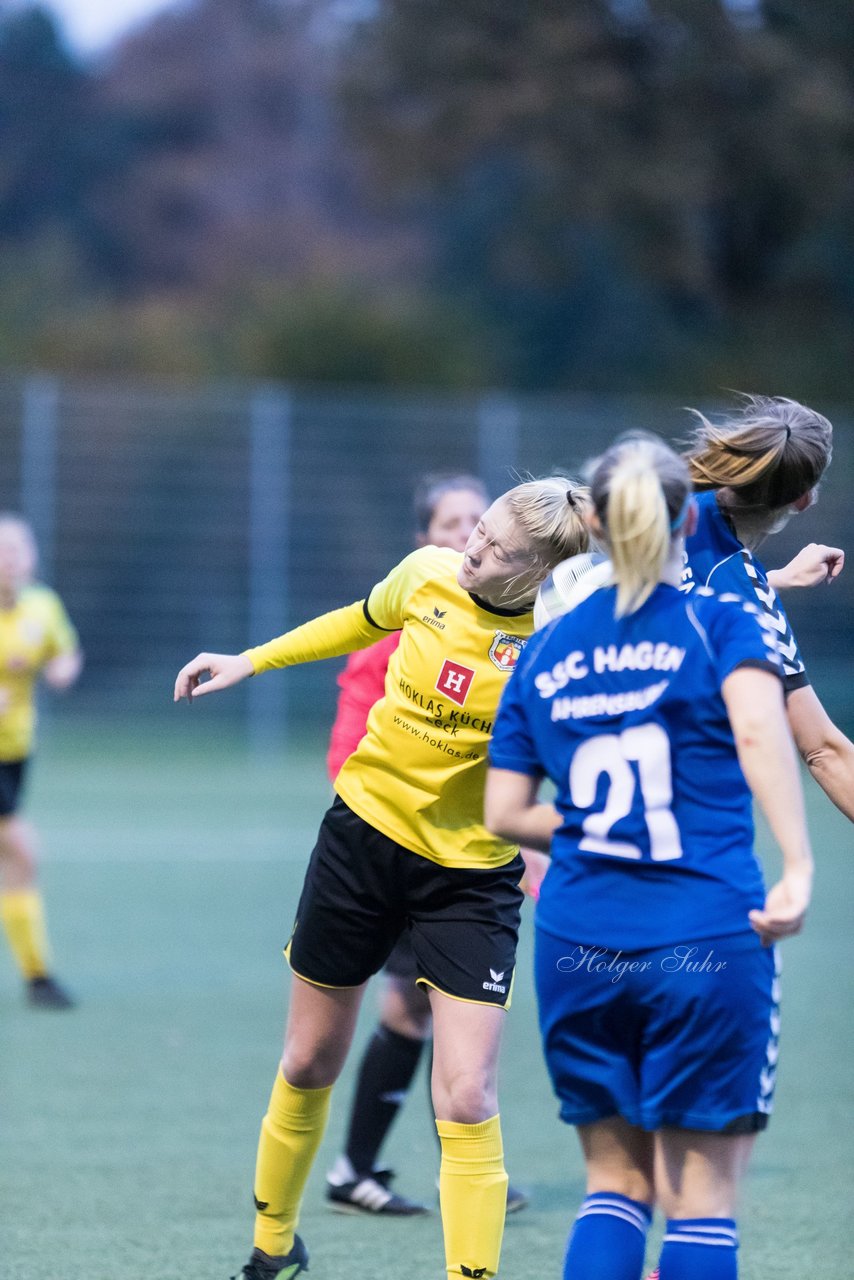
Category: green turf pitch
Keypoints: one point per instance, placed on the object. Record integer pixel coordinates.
(128, 1127)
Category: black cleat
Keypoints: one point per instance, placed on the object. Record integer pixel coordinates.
(349, 1192)
(46, 993)
(262, 1267)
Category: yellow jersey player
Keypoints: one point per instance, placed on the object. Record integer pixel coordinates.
(36, 640)
(404, 849)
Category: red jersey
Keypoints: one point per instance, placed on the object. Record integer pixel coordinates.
(362, 683)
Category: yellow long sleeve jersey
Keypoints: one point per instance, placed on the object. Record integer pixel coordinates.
(35, 630)
(418, 774)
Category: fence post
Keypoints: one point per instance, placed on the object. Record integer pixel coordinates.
(497, 442)
(270, 413)
(39, 435)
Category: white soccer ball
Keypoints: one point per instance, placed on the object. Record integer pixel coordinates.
(569, 583)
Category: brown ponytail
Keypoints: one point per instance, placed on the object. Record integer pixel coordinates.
(770, 452)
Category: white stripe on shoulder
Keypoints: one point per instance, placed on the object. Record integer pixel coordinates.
(720, 565)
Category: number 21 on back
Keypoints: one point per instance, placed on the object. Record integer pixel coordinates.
(647, 746)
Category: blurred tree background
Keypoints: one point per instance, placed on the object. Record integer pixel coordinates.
(561, 194)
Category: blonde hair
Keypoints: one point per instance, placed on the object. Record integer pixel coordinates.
(770, 452)
(641, 491)
(552, 515)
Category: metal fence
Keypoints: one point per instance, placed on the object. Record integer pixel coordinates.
(177, 519)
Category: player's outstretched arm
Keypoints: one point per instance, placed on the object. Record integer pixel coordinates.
(766, 753)
(812, 565)
(224, 669)
(826, 751)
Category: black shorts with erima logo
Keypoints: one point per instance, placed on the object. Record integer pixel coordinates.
(11, 781)
(362, 891)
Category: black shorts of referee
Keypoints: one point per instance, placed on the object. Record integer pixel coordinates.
(12, 774)
(363, 890)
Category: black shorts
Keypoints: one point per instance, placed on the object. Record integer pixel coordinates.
(402, 963)
(363, 891)
(11, 781)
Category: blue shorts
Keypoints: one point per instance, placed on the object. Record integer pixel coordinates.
(682, 1036)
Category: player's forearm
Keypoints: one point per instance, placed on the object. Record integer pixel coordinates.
(832, 766)
(512, 811)
(824, 748)
(769, 762)
(329, 636)
(771, 770)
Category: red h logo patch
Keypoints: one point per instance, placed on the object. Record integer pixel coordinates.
(455, 681)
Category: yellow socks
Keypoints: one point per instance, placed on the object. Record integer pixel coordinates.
(290, 1135)
(473, 1196)
(22, 916)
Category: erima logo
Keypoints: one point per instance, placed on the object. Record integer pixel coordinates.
(475, 1271)
(434, 621)
(494, 985)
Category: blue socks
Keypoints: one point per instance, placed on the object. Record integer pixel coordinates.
(699, 1249)
(608, 1239)
(608, 1242)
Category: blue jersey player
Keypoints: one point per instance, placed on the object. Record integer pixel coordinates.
(753, 469)
(655, 714)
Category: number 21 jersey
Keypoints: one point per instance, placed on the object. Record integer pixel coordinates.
(625, 715)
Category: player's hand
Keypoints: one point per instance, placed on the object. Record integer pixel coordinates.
(61, 672)
(536, 866)
(812, 565)
(224, 669)
(785, 907)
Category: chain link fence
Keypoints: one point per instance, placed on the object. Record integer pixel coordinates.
(177, 519)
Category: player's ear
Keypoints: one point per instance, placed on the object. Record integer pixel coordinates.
(804, 502)
(593, 523)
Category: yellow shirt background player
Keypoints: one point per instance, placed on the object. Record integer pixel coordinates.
(37, 640)
(34, 632)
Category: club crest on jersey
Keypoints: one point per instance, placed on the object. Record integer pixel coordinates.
(505, 650)
(455, 681)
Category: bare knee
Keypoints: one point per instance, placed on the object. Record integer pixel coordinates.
(466, 1098)
(17, 853)
(311, 1067)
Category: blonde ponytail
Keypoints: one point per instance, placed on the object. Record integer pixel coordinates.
(641, 491)
(552, 517)
(553, 513)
